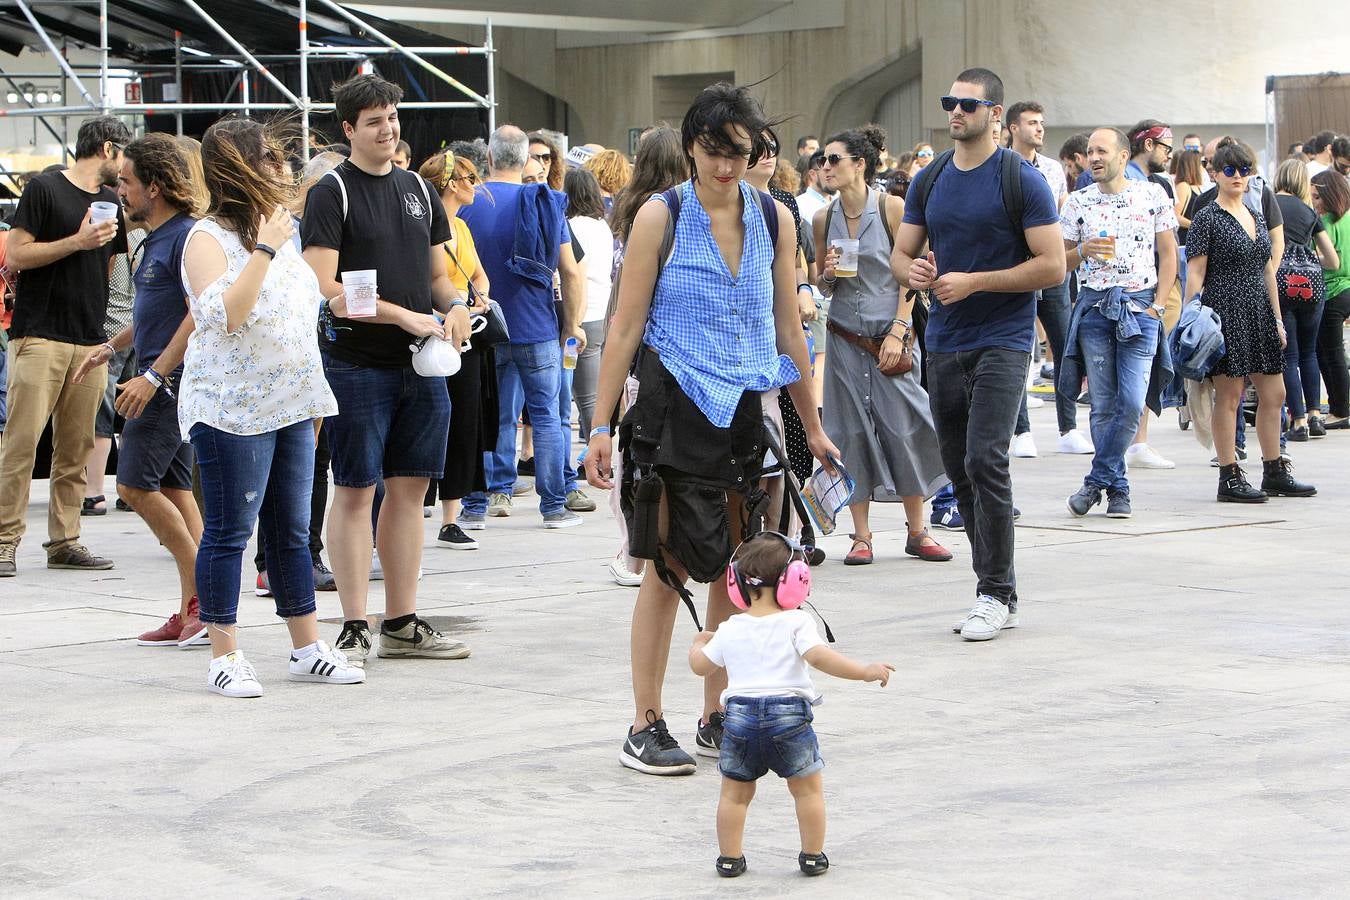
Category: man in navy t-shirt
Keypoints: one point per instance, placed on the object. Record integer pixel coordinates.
(154, 463)
(981, 271)
(521, 244)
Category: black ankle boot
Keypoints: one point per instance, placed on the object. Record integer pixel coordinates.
(1234, 487)
(1278, 479)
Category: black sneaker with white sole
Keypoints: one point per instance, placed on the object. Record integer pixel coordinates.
(708, 741)
(453, 536)
(653, 751)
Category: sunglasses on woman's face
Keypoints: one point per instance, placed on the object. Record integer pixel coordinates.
(924, 154)
(967, 104)
(835, 159)
(542, 158)
(1230, 171)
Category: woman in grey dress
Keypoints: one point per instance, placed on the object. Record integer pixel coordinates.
(880, 423)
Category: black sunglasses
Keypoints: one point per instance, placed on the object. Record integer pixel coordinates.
(1167, 147)
(967, 104)
(541, 157)
(835, 159)
(1230, 171)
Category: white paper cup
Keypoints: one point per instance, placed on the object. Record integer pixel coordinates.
(847, 267)
(103, 211)
(361, 291)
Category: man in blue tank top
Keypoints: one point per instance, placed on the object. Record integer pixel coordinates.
(981, 271)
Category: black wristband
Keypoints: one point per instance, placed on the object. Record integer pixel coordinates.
(271, 253)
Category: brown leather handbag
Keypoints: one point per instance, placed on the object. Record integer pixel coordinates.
(872, 345)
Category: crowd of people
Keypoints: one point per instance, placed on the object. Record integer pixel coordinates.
(724, 321)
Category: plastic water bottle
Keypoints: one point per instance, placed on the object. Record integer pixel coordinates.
(570, 353)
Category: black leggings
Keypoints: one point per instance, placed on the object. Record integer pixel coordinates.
(1331, 354)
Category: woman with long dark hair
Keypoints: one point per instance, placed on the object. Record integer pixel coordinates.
(882, 422)
(544, 150)
(713, 327)
(1331, 198)
(252, 386)
(658, 166)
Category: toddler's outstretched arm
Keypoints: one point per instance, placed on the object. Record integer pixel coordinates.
(698, 660)
(840, 666)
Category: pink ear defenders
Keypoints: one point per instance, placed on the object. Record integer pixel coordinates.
(794, 582)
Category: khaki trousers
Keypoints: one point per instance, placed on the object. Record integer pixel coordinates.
(40, 389)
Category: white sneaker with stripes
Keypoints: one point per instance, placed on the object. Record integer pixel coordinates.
(325, 665)
(232, 675)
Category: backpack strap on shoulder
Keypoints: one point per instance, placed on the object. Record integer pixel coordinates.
(769, 207)
(1014, 203)
(923, 183)
(342, 189)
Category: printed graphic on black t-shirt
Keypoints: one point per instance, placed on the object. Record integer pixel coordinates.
(67, 300)
(392, 220)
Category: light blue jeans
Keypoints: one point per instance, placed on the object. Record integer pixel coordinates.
(1118, 373)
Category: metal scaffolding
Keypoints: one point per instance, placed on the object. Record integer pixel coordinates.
(244, 62)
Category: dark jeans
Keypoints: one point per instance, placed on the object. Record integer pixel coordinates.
(974, 396)
(255, 478)
(1302, 377)
(1331, 353)
(1054, 310)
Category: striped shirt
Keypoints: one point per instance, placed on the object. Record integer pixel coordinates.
(715, 333)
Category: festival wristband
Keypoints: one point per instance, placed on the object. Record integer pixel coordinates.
(457, 302)
(599, 429)
(154, 378)
(803, 287)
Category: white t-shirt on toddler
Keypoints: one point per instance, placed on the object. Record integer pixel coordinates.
(763, 655)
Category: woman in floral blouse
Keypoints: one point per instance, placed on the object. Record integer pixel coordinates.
(252, 386)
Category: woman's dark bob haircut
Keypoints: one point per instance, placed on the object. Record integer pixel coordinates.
(716, 107)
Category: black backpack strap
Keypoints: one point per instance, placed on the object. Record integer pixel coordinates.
(770, 209)
(1014, 204)
(923, 183)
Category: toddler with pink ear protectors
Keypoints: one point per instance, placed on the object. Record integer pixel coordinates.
(769, 693)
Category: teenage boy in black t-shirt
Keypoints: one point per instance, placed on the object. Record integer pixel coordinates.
(370, 214)
(58, 318)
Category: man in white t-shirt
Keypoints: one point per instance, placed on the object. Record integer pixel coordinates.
(1112, 230)
(1026, 125)
(1319, 152)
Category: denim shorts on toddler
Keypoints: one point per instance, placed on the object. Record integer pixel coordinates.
(768, 733)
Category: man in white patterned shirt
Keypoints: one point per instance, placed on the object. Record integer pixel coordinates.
(1112, 229)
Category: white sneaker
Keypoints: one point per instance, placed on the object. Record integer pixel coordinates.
(1075, 442)
(1034, 402)
(233, 676)
(621, 574)
(325, 665)
(1142, 456)
(987, 618)
(1023, 446)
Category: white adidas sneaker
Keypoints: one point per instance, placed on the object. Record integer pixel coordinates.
(232, 675)
(325, 665)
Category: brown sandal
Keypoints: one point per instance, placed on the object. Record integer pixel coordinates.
(859, 556)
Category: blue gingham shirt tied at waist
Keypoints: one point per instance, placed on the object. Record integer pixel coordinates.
(715, 333)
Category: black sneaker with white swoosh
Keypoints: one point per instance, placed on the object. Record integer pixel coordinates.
(653, 751)
(708, 740)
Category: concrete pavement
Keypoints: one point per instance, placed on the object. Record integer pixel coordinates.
(1170, 720)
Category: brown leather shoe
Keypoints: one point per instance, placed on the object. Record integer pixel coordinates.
(77, 556)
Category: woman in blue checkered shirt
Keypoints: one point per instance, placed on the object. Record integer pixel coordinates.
(714, 326)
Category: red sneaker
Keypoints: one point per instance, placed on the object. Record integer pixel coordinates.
(166, 635)
(194, 632)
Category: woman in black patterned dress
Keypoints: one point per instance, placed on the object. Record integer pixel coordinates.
(1228, 253)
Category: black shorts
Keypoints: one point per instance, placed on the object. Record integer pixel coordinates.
(666, 436)
(153, 454)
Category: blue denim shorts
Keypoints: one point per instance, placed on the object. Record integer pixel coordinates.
(153, 454)
(768, 733)
(390, 422)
